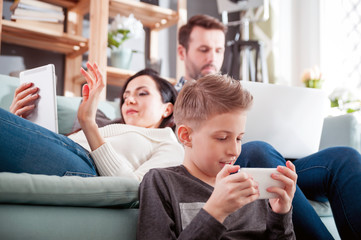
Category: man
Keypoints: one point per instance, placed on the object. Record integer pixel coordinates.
(201, 47)
(333, 174)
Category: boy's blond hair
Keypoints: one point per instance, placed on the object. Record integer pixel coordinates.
(210, 95)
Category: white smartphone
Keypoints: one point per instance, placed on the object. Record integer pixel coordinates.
(45, 112)
(263, 177)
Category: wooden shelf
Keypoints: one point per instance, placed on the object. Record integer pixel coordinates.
(16, 33)
(117, 76)
(63, 3)
(152, 16)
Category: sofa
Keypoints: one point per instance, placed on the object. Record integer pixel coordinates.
(51, 207)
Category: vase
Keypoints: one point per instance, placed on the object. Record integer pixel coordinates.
(121, 58)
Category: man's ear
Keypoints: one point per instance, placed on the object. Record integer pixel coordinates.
(168, 110)
(184, 135)
(181, 52)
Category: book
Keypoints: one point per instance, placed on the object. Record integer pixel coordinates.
(42, 19)
(54, 27)
(37, 14)
(35, 5)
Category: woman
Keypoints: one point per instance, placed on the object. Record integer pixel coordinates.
(145, 140)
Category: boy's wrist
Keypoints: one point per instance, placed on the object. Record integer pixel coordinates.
(215, 212)
(280, 210)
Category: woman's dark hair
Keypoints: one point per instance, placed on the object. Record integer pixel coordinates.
(166, 90)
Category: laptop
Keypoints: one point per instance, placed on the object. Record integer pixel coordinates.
(288, 118)
(45, 112)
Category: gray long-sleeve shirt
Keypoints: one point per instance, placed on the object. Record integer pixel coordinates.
(171, 202)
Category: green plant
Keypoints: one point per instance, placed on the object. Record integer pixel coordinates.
(123, 28)
(346, 100)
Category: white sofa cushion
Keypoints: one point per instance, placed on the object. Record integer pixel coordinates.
(37, 189)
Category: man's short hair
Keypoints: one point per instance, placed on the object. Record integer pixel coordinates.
(203, 21)
(209, 96)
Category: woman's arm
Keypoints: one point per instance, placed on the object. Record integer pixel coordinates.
(87, 109)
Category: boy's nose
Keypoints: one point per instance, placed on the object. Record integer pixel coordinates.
(234, 149)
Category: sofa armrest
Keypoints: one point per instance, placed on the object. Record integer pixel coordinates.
(343, 130)
(23, 188)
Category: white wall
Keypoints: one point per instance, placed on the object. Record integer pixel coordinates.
(305, 37)
(334, 45)
(297, 26)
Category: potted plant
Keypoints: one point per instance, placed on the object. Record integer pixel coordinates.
(312, 78)
(121, 29)
(345, 100)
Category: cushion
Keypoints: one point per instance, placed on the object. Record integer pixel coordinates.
(323, 209)
(343, 130)
(68, 109)
(7, 88)
(67, 113)
(36, 189)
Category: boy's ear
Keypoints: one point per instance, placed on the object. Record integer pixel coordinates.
(184, 135)
(181, 52)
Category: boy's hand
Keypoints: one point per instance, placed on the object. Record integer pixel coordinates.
(231, 192)
(288, 176)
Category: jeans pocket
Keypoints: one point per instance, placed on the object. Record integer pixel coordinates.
(79, 174)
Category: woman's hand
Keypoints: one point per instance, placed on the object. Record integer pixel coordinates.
(283, 204)
(91, 94)
(24, 100)
(88, 108)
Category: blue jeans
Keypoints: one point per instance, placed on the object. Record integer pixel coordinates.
(333, 175)
(27, 147)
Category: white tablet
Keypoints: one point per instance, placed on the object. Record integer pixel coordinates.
(45, 112)
(263, 177)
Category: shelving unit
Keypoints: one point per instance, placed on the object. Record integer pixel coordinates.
(68, 44)
(73, 45)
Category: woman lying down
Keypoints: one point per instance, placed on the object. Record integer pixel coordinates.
(144, 140)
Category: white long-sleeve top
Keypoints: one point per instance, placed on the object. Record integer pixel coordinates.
(132, 151)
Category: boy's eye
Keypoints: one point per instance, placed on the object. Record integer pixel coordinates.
(221, 138)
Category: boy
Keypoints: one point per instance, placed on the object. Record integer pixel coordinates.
(201, 199)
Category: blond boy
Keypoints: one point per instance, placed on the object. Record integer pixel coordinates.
(202, 199)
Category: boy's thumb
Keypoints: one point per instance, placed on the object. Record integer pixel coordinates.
(228, 169)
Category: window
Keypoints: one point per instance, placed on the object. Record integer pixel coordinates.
(341, 42)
